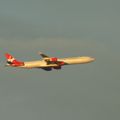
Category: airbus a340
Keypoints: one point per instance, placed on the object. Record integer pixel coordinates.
(47, 63)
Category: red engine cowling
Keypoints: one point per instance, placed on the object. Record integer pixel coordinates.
(54, 59)
(61, 63)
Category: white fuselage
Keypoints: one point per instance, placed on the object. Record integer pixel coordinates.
(67, 61)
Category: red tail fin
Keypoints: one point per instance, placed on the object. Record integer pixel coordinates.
(12, 61)
(9, 57)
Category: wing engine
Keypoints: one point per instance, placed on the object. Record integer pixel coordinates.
(51, 60)
(54, 60)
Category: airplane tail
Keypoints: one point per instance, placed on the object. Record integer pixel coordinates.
(12, 61)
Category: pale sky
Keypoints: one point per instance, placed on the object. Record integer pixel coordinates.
(61, 28)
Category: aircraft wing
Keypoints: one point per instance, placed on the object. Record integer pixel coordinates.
(51, 60)
(43, 55)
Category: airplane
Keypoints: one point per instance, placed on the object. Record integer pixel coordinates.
(47, 63)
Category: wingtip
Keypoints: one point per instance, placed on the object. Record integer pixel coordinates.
(39, 53)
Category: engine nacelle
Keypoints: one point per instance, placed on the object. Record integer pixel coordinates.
(54, 59)
(61, 63)
(51, 60)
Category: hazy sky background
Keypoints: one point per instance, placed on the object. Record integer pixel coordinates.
(61, 28)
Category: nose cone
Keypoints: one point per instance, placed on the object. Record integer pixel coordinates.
(86, 59)
(92, 59)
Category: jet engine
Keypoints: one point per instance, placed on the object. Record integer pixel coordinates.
(51, 60)
(54, 59)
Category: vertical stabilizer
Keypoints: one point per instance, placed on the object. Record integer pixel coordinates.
(12, 61)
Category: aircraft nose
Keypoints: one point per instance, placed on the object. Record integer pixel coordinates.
(92, 59)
